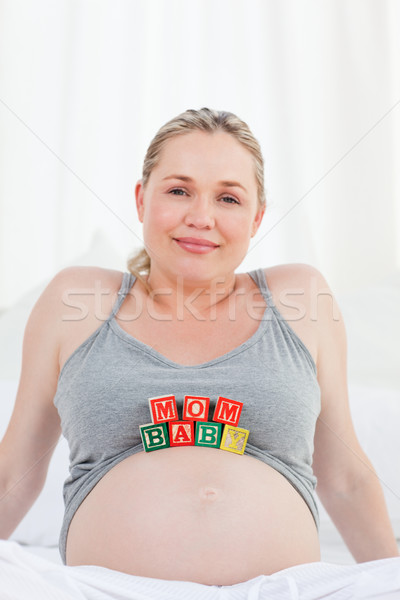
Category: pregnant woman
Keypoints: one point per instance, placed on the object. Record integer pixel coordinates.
(203, 407)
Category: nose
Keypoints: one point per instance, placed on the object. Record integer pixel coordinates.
(200, 214)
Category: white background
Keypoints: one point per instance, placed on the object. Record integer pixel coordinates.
(85, 84)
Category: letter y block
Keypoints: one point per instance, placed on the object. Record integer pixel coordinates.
(234, 439)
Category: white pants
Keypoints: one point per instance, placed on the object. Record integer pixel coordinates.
(24, 576)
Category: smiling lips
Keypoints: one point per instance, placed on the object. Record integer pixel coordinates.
(196, 245)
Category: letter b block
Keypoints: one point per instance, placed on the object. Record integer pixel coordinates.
(227, 411)
(154, 437)
(163, 408)
(195, 408)
(208, 434)
(234, 439)
(181, 433)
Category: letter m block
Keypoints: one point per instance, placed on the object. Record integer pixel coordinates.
(227, 411)
(163, 408)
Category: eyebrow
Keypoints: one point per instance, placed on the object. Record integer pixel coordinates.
(190, 180)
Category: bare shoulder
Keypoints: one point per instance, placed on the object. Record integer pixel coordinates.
(85, 282)
(305, 300)
(299, 288)
(73, 292)
(84, 277)
(75, 303)
(292, 274)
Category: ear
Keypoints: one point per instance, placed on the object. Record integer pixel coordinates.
(257, 221)
(139, 193)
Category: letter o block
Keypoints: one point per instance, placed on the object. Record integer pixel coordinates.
(195, 408)
(227, 411)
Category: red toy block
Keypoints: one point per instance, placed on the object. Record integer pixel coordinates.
(195, 408)
(181, 433)
(163, 408)
(227, 411)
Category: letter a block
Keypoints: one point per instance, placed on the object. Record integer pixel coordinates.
(227, 411)
(181, 433)
(163, 408)
(154, 437)
(234, 439)
(208, 434)
(195, 408)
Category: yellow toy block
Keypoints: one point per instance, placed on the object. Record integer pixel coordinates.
(234, 439)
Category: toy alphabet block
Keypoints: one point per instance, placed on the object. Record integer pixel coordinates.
(181, 433)
(195, 408)
(227, 411)
(208, 434)
(163, 408)
(154, 437)
(234, 439)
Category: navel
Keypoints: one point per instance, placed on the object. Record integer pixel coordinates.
(209, 494)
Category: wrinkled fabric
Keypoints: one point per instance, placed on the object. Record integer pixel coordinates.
(25, 576)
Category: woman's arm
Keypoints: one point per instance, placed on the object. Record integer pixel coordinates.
(347, 482)
(34, 427)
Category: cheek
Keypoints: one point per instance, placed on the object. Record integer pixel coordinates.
(236, 227)
(161, 218)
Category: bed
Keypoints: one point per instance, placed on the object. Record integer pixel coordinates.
(373, 331)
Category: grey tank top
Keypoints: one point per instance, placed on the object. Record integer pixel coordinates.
(104, 387)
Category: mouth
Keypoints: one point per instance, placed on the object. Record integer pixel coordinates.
(196, 245)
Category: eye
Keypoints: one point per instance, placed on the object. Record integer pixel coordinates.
(226, 199)
(230, 200)
(177, 190)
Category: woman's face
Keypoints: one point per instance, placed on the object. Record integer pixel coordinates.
(203, 188)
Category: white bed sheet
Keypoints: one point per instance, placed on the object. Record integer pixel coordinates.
(24, 575)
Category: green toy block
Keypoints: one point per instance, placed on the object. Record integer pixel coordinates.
(154, 437)
(208, 434)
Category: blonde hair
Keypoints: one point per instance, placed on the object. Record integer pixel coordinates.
(210, 121)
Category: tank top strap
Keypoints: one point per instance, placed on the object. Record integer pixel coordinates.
(258, 276)
(127, 282)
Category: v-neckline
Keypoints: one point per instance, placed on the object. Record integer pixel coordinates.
(120, 332)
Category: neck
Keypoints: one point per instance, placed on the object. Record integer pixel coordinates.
(186, 297)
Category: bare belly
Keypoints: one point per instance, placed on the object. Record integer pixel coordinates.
(193, 514)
